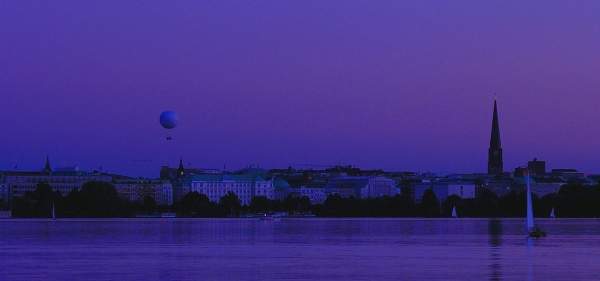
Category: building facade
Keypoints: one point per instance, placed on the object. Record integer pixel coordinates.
(180, 189)
(64, 181)
(499, 187)
(316, 195)
(244, 186)
(547, 186)
(567, 173)
(361, 186)
(137, 189)
(519, 184)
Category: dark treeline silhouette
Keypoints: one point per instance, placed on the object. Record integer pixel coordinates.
(100, 200)
(96, 199)
(386, 206)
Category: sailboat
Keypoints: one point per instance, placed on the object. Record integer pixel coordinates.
(454, 212)
(53, 215)
(532, 229)
(552, 213)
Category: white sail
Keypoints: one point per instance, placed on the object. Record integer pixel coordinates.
(454, 212)
(552, 213)
(529, 223)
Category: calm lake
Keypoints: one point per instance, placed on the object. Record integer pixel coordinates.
(298, 249)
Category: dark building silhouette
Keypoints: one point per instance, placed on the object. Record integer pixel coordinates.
(521, 172)
(537, 167)
(174, 174)
(495, 165)
(180, 169)
(47, 168)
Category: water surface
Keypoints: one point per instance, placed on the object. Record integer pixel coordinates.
(298, 249)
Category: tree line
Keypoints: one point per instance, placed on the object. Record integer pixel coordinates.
(572, 201)
(98, 199)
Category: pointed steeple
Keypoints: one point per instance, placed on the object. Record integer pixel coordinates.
(180, 170)
(47, 167)
(495, 139)
(495, 165)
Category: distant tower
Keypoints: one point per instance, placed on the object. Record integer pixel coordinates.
(47, 168)
(180, 170)
(495, 165)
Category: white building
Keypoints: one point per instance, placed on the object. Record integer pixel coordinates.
(137, 189)
(500, 187)
(244, 186)
(547, 186)
(316, 195)
(361, 186)
(443, 189)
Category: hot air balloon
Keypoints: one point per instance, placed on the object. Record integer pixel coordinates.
(168, 120)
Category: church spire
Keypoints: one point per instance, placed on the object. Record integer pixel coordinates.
(495, 165)
(47, 167)
(495, 138)
(180, 170)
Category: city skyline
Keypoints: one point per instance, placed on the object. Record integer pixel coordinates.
(403, 86)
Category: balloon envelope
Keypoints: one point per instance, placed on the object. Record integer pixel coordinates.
(169, 119)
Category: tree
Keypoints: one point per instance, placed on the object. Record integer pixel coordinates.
(290, 203)
(430, 207)
(23, 207)
(380, 206)
(358, 207)
(320, 210)
(43, 200)
(278, 205)
(197, 205)
(230, 203)
(4, 206)
(293, 204)
(488, 203)
(149, 204)
(577, 200)
(42, 192)
(261, 204)
(100, 200)
(402, 206)
(73, 203)
(449, 204)
(304, 204)
(334, 205)
(58, 203)
(511, 205)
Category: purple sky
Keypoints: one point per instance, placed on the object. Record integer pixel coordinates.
(396, 85)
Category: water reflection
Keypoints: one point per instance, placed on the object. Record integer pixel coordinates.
(495, 241)
(529, 242)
